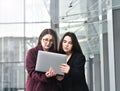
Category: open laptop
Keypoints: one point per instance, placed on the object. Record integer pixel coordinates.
(45, 60)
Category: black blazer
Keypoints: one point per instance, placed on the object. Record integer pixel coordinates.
(75, 79)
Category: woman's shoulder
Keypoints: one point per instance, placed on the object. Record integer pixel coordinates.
(32, 52)
(78, 54)
(32, 49)
(36, 48)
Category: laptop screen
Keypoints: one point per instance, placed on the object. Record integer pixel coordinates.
(45, 60)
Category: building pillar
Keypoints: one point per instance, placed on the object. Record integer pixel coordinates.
(54, 14)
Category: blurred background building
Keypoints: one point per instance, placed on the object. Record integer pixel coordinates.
(95, 22)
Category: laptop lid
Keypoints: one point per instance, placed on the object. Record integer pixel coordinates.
(45, 60)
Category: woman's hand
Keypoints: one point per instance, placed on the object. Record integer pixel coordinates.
(50, 73)
(64, 68)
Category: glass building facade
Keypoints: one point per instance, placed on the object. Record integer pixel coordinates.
(95, 22)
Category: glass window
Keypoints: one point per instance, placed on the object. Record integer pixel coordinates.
(21, 22)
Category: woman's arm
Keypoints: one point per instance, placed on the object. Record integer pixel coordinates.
(30, 66)
(77, 67)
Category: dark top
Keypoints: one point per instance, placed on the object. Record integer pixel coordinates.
(75, 79)
(37, 81)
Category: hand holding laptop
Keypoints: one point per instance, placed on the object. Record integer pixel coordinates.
(64, 68)
(50, 72)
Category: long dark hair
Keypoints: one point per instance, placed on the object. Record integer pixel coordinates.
(76, 46)
(54, 35)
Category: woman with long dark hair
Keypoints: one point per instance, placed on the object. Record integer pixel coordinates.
(74, 78)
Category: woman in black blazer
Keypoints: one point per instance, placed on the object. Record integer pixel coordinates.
(74, 78)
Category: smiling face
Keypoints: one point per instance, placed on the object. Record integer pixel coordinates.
(46, 42)
(67, 44)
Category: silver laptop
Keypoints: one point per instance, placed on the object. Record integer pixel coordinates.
(45, 60)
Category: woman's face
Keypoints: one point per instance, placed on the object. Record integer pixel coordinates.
(67, 44)
(46, 42)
